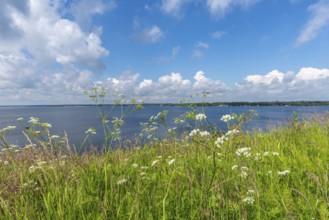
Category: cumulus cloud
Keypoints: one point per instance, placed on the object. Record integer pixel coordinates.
(319, 19)
(288, 86)
(150, 35)
(173, 7)
(199, 48)
(83, 10)
(167, 88)
(39, 39)
(219, 8)
(217, 34)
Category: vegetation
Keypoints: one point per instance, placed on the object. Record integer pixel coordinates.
(204, 174)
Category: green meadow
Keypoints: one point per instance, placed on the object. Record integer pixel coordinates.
(202, 174)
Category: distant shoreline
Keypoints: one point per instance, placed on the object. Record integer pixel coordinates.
(219, 104)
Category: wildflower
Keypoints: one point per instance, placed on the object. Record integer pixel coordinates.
(171, 162)
(266, 153)
(200, 117)
(91, 131)
(204, 133)
(231, 132)
(122, 181)
(42, 163)
(142, 174)
(275, 154)
(194, 132)
(220, 141)
(257, 156)
(154, 162)
(234, 167)
(6, 162)
(283, 173)
(8, 128)
(46, 125)
(159, 157)
(34, 120)
(249, 200)
(32, 169)
(244, 152)
(55, 137)
(134, 165)
(19, 119)
(226, 118)
(243, 174)
(250, 192)
(144, 167)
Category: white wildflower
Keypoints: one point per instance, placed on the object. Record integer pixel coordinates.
(142, 174)
(19, 119)
(32, 169)
(171, 162)
(194, 132)
(250, 192)
(144, 167)
(200, 117)
(231, 132)
(275, 154)
(257, 156)
(249, 200)
(134, 165)
(234, 167)
(159, 157)
(40, 163)
(245, 151)
(91, 131)
(154, 162)
(266, 153)
(204, 133)
(226, 118)
(283, 173)
(6, 162)
(55, 137)
(34, 120)
(122, 181)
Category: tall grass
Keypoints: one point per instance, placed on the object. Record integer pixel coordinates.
(279, 174)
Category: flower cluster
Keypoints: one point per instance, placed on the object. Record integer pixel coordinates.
(200, 117)
(226, 118)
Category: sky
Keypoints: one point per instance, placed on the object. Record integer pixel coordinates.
(159, 51)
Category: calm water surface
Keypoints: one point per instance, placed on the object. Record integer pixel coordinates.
(75, 120)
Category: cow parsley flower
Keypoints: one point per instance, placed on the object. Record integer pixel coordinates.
(226, 118)
(200, 117)
(283, 173)
(171, 162)
(122, 181)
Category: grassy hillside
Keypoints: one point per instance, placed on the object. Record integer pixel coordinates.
(280, 174)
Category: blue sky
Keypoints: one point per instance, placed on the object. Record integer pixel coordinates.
(51, 51)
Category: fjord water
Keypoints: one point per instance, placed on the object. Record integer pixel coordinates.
(75, 120)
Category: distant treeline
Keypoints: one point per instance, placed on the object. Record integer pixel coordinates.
(275, 103)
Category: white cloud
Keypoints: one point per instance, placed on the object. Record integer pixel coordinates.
(219, 8)
(271, 77)
(311, 74)
(42, 40)
(150, 35)
(287, 86)
(217, 34)
(198, 51)
(319, 19)
(83, 10)
(173, 7)
(202, 45)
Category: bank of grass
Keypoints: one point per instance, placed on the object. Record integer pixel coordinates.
(279, 174)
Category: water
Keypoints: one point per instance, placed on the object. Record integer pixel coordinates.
(75, 120)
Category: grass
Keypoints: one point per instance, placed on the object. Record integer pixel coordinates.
(279, 174)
